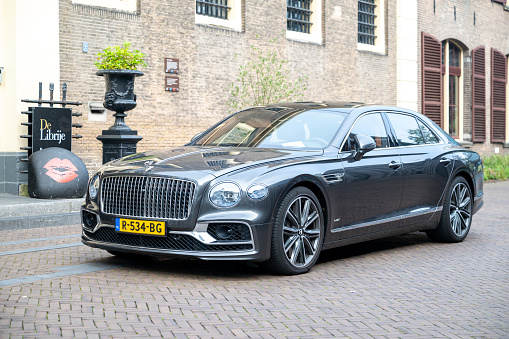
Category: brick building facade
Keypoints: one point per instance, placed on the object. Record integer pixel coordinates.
(366, 50)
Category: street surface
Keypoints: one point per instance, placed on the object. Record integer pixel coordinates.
(405, 286)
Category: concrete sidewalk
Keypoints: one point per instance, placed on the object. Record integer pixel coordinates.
(18, 212)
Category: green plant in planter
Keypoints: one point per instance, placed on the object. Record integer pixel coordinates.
(120, 57)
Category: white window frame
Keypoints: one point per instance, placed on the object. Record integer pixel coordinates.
(234, 21)
(379, 46)
(315, 34)
(445, 90)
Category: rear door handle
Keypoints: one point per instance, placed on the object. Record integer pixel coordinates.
(444, 161)
(395, 165)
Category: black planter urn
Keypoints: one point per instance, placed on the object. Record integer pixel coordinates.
(119, 140)
(119, 95)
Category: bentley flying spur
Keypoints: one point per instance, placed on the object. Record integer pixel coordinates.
(280, 183)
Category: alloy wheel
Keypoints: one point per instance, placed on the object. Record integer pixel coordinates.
(460, 209)
(301, 231)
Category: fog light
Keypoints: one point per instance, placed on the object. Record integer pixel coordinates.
(89, 220)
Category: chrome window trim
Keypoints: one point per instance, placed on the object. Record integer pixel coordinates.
(442, 142)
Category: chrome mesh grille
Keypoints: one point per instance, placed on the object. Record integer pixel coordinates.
(147, 197)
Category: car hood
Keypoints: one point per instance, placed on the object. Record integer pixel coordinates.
(210, 161)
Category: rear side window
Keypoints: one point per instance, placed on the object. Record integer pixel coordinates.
(408, 132)
(371, 125)
(429, 136)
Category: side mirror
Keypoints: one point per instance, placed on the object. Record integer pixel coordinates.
(363, 144)
(196, 137)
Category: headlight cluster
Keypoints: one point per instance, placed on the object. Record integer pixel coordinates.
(228, 194)
(93, 186)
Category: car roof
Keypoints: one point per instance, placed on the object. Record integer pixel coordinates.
(348, 105)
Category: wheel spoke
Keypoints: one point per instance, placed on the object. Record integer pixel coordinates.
(295, 251)
(289, 230)
(290, 242)
(308, 246)
(292, 218)
(314, 233)
(464, 202)
(311, 219)
(305, 213)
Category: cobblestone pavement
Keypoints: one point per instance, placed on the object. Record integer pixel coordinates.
(405, 286)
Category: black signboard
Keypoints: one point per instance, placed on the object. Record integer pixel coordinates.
(171, 65)
(51, 127)
(172, 83)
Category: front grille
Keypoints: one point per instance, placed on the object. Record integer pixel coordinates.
(180, 242)
(147, 197)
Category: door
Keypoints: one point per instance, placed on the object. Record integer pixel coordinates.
(427, 165)
(373, 185)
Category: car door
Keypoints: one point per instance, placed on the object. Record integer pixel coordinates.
(427, 165)
(373, 184)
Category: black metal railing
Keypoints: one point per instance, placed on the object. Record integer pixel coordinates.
(366, 19)
(214, 8)
(298, 16)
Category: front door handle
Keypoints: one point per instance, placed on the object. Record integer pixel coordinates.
(444, 161)
(395, 165)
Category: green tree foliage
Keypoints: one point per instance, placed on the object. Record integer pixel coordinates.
(119, 57)
(264, 80)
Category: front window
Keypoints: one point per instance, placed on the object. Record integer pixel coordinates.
(275, 127)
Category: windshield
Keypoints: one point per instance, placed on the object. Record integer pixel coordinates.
(275, 127)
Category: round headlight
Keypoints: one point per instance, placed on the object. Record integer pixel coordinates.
(93, 186)
(257, 192)
(225, 194)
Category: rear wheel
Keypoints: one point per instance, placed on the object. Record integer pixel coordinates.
(456, 215)
(297, 235)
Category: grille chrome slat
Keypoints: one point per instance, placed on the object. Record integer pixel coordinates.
(159, 198)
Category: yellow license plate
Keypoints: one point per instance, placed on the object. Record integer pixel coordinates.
(149, 227)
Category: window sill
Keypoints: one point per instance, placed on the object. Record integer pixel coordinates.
(314, 39)
(379, 50)
(218, 27)
(231, 25)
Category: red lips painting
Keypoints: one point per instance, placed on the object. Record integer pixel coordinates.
(61, 170)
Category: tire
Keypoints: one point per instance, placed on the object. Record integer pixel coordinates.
(297, 234)
(456, 216)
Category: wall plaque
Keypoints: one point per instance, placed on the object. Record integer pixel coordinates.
(171, 83)
(171, 65)
(51, 128)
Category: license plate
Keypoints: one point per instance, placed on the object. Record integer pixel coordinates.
(148, 227)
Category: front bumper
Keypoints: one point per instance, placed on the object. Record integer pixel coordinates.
(197, 243)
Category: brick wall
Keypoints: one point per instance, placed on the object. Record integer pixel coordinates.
(209, 60)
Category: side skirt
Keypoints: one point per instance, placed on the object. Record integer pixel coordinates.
(430, 224)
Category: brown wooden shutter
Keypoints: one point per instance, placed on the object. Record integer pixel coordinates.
(431, 62)
(478, 94)
(498, 95)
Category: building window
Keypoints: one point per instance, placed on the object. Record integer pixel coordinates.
(452, 56)
(366, 25)
(304, 20)
(298, 16)
(371, 26)
(214, 8)
(220, 13)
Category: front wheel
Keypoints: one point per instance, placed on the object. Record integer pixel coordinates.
(297, 235)
(456, 214)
